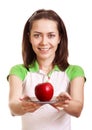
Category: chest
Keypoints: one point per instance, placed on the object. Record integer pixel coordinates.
(59, 80)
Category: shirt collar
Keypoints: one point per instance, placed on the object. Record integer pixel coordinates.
(34, 67)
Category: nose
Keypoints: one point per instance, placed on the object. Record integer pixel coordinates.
(44, 40)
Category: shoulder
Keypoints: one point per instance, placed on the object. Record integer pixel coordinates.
(19, 70)
(74, 71)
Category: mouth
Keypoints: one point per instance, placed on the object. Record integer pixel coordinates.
(43, 49)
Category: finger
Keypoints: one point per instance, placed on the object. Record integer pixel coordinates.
(65, 95)
(60, 108)
(26, 98)
(31, 108)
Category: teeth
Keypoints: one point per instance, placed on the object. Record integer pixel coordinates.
(44, 48)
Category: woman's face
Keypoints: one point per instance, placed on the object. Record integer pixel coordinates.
(44, 37)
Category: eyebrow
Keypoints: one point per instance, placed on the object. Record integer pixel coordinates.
(41, 32)
(36, 32)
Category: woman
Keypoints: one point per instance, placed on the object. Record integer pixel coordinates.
(45, 58)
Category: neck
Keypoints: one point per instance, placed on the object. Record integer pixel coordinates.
(46, 65)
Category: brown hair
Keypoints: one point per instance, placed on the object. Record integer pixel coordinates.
(61, 57)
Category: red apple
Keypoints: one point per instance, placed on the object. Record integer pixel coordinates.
(44, 91)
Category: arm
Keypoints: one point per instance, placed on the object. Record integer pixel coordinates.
(77, 94)
(73, 102)
(17, 105)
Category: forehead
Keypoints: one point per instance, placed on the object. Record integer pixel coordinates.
(44, 25)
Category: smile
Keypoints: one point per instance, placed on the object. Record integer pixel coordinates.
(44, 49)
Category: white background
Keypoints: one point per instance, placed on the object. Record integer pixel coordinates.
(77, 15)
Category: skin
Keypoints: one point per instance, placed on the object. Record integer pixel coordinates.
(44, 37)
(45, 41)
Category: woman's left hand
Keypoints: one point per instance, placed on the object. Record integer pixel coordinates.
(62, 100)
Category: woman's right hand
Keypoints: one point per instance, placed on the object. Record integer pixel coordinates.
(27, 105)
(19, 106)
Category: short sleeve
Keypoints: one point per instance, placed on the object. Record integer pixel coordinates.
(18, 70)
(74, 71)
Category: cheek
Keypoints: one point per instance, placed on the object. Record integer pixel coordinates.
(56, 42)
(33, 42)
(59, 39)
(55, 46)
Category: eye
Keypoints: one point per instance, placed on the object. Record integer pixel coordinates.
(51, 35)
(36, 35)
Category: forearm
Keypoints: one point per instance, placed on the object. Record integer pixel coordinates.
(15, 108)
(74, 108)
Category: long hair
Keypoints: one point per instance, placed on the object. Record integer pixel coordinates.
(61, 56)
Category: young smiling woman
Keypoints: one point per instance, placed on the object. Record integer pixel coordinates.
(44, 41)
(45, 59)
